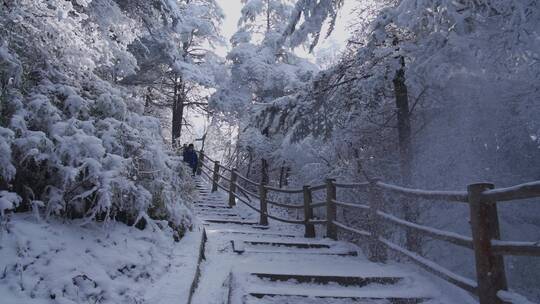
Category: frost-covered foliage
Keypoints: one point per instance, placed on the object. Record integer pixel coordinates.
(74, 142)
(312, 15)
(261, 69)
(176, 58)
(492, 89)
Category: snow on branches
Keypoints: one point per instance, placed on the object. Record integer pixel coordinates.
(74, 142)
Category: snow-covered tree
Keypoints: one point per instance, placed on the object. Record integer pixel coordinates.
(73, 137)
(176, 58)
(262, 69)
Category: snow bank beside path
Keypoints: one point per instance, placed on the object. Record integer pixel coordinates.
(54, 262)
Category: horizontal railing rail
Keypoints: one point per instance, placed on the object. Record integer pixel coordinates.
(460, 281)
(349, 205)
(246, 191)
(224, 178)
(442, 235)
(449, 196)
(282, 205)
(518, 192)
(516, 248)
(481, 198)
(283, 190)
(247, 180)
(353, 185)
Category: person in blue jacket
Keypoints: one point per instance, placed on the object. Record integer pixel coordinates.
(190, 157)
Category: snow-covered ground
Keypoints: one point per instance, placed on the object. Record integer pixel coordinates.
(73, 262)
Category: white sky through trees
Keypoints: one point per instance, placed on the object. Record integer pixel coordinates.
(232, 9)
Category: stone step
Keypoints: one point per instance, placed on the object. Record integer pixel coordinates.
(226, 223)
(292, 243)
(325, 279)
(212, 200)
(275, 298)
(230, 221)
(212, 217)
(218, 214)
(213, 206)
(242, 246)
(214, 211)
(248, 232)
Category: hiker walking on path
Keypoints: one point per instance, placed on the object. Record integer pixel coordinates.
(190, 157)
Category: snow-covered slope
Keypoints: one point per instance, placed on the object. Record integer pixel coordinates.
(72, 262)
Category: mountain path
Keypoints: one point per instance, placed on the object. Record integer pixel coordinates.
(247, 263)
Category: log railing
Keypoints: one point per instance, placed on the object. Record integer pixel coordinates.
(482, 199)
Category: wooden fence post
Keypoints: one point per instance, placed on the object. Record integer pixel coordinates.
(215, 177)
(377, 250)
(490, 273)
(308, 212)
(199, 163)
(232, 188)
(331, 231)
(263, 191)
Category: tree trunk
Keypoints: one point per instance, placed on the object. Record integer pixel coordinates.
(180, 98)
(177, 111)
(267, 16)
(147, 100)
(250, 162)
(405, 154)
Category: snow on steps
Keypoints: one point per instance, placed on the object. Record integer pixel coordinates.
(218, 220)
(290, 288)
(227, 215)
(368, 290)
(251, 232)
(292, 246)
(306, 299)
(212, 213)
(325, 279)
(215, 212)
(212, 206)
(228, 224)
(280, 266)
(312, 300)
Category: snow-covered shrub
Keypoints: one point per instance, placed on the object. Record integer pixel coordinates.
(79, 262)
(94, 158)
(8, 201)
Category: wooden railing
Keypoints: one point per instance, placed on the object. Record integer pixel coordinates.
(481, 198)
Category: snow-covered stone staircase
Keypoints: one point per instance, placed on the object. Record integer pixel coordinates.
(249, 263)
